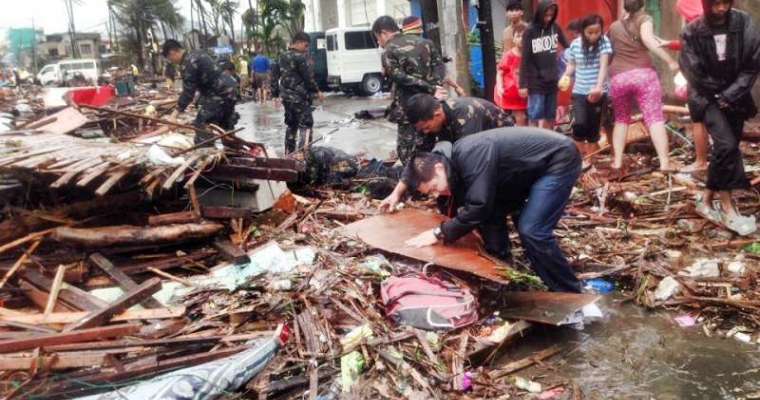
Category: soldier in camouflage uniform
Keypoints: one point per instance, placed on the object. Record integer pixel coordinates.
(413, 66)
(293, 81)
(446, 121)
(218, 91)
(450, 120)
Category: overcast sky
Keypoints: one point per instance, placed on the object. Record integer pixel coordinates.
(50, 15)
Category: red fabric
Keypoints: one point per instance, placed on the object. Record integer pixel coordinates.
(690, 9)
(674, 45)
(92, 96)
(509, 66)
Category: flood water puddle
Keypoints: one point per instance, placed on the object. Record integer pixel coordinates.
(640, 354)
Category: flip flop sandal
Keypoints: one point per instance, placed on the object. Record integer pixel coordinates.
(708, 212)
(744, 226)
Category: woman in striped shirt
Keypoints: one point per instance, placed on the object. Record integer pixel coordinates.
(588, 60)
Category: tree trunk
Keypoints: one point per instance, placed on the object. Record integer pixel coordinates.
(232, 25)
(128, 235)
(202, 14)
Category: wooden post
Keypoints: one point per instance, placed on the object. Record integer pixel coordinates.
(485, 24)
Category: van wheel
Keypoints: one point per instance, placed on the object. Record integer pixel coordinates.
(371, 84)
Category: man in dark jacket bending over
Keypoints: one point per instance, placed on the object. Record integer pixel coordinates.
(487, 175)
(446, 121)
(720, 58)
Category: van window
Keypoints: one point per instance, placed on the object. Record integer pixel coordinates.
(77, 66)
(360, 40)
(88, 65)
(47, 69)
(331, 45)
(65, 67)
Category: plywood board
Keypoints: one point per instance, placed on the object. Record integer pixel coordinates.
(388, 232)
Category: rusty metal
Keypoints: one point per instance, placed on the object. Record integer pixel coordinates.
(388, 232)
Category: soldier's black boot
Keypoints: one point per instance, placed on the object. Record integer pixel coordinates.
(290, 140)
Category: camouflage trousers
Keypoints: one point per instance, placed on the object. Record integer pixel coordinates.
(218, 111)
(298, 119)
(406, 142)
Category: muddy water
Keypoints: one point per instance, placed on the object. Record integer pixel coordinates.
(638, 354)
(264, 123)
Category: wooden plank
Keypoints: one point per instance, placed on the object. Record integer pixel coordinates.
(183, 217)
(198, 171)
(526, 362)
(55, 289)
(84, 335)
(40, 298)
(164, 342)
(111, 181)
(125, 301)
(72, 173)
(544, 307)
(263, 162)
(167, 262)
(214, 212)
(120, 278)
(94, 173)
(130, 235)
(18, 263)
(235, 172)
(71, 317)
(69, 294)
(231, 253)
(21, 362)
(179, 171)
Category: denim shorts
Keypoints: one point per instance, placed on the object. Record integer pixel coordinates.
(542, 106)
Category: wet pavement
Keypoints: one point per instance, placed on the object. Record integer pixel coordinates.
(374, 138)
(640, 354)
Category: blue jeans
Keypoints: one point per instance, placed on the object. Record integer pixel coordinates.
(542, 106)
(538, 218)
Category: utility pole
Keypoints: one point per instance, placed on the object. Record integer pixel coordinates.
(34, 47)
(72, 30)
(485, 24)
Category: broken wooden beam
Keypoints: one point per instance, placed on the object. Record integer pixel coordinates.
(263, 162)
(84, 335)
(236, 172)
(231, 253)
(130, 235)
(166, 263)
(21, 362)
(71, 317)
(184, 217)
(69, 294)
(120, 278)
(125, 301)
(214, 212)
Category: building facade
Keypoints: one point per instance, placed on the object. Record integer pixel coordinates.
(321, 15)
(58, 46)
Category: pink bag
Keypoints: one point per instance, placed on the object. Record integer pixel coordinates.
(426, 302)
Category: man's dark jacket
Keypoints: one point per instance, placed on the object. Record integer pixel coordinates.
(733, 78)
(491, 173)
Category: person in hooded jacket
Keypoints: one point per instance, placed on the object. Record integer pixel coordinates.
(720, 58)
(485, 176)
(538, 68)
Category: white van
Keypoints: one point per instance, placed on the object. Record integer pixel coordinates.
(67, 69)
(353, 60)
